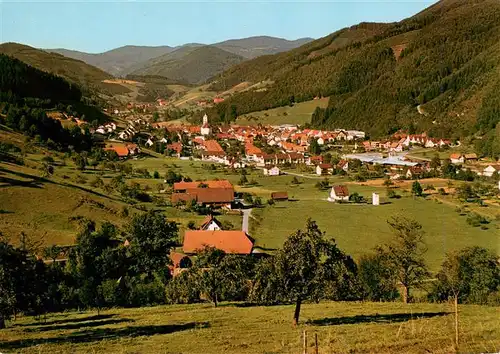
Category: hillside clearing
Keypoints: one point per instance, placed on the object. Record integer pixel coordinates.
(299, 113)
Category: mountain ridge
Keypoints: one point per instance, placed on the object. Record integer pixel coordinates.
(126, 59)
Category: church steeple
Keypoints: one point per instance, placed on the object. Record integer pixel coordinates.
(205, 128)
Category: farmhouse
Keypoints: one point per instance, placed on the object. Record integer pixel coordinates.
(121, 151)
(343, 165)
(414, 172)
(339, 193)
(457, 158)
(235, 242)
(210, 223)
(279, 196)
(490, 170)
(208, 193)
(470, 157)
(324, 169)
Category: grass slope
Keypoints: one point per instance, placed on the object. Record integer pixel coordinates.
(341, 328)
(299, 113)
(45, 209)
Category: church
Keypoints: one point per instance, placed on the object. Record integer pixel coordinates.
(205, 128)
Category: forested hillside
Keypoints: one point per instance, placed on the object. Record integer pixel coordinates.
(76, 71)
(445, 59)
(25, 95)
(192, 65)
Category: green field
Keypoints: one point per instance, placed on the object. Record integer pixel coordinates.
(299, 114)
(343, 327)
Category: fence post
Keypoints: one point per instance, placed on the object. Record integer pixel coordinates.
(305, 342)
(316, 343)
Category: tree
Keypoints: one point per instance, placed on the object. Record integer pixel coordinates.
(356, 198)
(52, 252)
(220, 276)
(151, 237)
(80, 162)
(243, 180)
(7, 297)
(95, 259)
(435, 162)
(376, 279)
(156, 175)
(404, 255)
(47, 170)
(416, 189)
(297, 271)
(468, 275)
(388, 182)
(156, 117)
(314, 147)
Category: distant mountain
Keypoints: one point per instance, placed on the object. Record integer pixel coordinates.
(438, 71)
(73, 70)
(117, 61)
(125, 60)
(190, 64)
(263, 45)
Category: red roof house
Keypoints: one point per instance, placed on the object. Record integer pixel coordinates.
(236, 242)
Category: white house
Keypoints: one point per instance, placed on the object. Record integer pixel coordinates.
(210, 224)
(324, 169)
(149, 142)
(321, 141)
(343, 165)
(205, 128)
(339, 193)
(490, 170)
(164, 140)
(271, 171)
(457, 158)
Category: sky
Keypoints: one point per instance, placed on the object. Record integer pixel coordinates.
(97, 26)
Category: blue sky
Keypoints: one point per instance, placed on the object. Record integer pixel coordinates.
(97, 26)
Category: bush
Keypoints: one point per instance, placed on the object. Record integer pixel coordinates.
(476, 220)
(156, 174)
(392, 194)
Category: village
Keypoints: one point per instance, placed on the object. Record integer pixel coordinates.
(275, 151)
(274, 148)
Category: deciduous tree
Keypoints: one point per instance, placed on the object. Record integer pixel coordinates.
(404, 254)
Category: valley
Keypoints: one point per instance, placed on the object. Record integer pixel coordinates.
(255, 195)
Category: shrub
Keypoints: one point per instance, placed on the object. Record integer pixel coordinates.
(476, 220)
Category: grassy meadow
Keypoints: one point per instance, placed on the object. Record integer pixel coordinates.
(341, 327)
(299, 113)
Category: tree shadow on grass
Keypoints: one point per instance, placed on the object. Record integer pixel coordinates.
(377, 318)
(99, 334)
(77, 325)
(67, 320)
